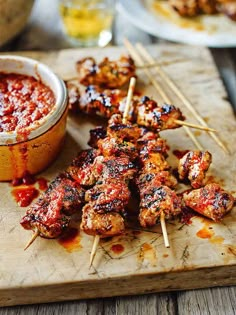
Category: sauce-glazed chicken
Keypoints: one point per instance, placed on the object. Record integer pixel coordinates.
(113, 170)
(153, 180)
(144, 111)
(191, 8)
(107, 73)
(211, 201)
(194, 165)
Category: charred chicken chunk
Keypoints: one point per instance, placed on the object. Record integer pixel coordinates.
(194, 165)
(111, 196)
(112, 168)
(119, 130)
(81, 167)
(151, 115)
(50, 215)
(103, 103)
(185, 7)
(107, 73)
(117, 147)
(155, 201)
(102, 224)
(211, 201)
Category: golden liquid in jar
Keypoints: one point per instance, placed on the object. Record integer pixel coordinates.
(85, 21)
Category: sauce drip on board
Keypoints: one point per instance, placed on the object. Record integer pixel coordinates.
(70, 240)
(117, 248)
(24, 191)
(25, 195)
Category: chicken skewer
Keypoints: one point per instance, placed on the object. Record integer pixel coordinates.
(145, 112)
(126, 111)
(51, 213)
(155, 182)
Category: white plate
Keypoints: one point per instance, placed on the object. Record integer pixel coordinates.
(218, 31)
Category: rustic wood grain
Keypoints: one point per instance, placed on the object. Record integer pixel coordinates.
(44, 32)
(214, 301)
(190, 257)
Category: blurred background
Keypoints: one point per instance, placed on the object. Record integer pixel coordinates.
(59, 24)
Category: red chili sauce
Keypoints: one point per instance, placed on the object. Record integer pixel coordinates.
(23, 101)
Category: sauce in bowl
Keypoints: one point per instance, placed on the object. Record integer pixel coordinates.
(24, 101)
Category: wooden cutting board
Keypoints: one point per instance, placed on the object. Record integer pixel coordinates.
(201, 254)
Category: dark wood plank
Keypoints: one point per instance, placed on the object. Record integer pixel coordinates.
(217, 301)
(152, 304)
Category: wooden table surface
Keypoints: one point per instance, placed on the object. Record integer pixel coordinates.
(44, 33)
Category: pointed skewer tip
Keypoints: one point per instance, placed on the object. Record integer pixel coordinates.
(33, 238)
(94, 249)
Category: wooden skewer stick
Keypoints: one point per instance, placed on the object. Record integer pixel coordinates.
(179, 93)
(185, 123)
(159, 89)
(164, 230)
(94, 249)
(33, 238)
(125, 115)
(129, 99)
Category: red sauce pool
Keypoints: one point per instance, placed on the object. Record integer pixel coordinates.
(117, 248)
(25, 195)
(23, 101)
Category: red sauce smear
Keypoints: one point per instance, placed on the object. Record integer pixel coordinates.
(70, 240)
(43, 183)
(24, 196)
(117, 248)
(180, 153)
(23, 101)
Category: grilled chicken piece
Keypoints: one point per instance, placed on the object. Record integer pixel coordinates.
(108, 73)
(208, 6)
(194, 165)
(96, 134)
(81, 167)
(156, 200)
(187, 8)
(160, 178)
(50, 215)
(103, 103)
(111, 196)
(117, 147)
(210, 201)
(113, 168)
(153, 116)
(102, 224)
(127, 132)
